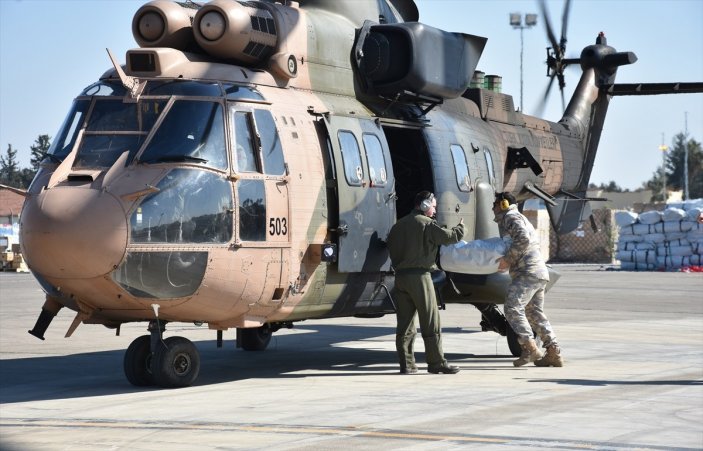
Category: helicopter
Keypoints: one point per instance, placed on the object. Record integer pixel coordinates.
(244, 167)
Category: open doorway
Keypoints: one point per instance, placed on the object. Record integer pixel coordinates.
(411, 165)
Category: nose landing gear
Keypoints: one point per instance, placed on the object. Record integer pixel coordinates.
(173, 362)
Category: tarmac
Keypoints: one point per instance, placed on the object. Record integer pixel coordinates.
(632, 380)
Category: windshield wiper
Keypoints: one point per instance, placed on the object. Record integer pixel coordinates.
(51, 157)
(175, 158)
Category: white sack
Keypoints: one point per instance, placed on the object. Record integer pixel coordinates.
(629, 266)
(673, 214)
(694, 213)
(650, 217)
(625, 218)
(473, 257)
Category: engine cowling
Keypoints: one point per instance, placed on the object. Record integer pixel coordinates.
(162, 23)
(231, 30)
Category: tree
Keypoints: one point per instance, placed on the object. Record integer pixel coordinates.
(675, 165)
(39, 150)
(9, 169)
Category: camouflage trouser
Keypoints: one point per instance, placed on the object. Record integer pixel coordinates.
(414, 293)
(524, 310)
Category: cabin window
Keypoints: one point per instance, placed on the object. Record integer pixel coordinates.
(351, 156)
(252, 210)
(193, 131)
(246, 160)
(489, 165)
(69, 129)
(162, 275)
(461, 168)
(375, 160)
(270, 143)
(191, 206)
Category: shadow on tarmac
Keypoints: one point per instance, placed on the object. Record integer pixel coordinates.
(287, 356)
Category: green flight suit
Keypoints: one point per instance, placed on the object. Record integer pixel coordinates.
(413, 243)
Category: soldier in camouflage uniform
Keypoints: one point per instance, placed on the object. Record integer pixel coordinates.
(413, 243)
(525, 298)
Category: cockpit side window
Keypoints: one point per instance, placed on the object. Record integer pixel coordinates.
(271, 150)
(252, 210)
(461, 169)
(353, 170)
(66, 137)
(245, 156)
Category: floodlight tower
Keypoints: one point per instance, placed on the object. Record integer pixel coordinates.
(663, 147)
(516, 23)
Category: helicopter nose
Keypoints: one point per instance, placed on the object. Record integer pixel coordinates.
(73, 233)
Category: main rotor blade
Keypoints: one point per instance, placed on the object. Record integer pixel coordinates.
(539, 111)
(548, 26)
(564, 23)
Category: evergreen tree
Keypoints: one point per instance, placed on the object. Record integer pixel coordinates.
(9, 168)
(675, 166)
(39, 150)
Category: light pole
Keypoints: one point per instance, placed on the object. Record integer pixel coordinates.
(663, 148)
(516, 22)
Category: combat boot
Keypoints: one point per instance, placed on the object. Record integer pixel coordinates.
(552, 357)
(530, 353)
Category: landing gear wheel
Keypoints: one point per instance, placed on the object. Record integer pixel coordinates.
(513, 344)
(254, 339)
(176, 364)
(137, 362)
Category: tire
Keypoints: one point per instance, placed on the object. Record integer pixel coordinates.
(254, 339)
(137, 362)
(513, 344)
(176, 364)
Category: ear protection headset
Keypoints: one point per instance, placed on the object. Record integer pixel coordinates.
(426, 204)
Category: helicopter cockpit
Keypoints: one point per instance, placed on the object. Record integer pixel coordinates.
(178, 131)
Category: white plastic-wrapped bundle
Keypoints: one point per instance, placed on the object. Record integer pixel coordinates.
(637, 256)
(473, 257)
(671, 239)
(694, 214)
(673, 262)
(631, 266)
(673, 214)
(625, 218)
(650, 217)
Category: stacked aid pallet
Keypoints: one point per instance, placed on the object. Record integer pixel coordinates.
(661, 240)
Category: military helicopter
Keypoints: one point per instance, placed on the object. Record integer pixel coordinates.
(245, 165)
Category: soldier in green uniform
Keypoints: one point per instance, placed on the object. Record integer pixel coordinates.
(524, 303)
(413, 243)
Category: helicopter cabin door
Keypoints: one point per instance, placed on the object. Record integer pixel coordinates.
(365, 190)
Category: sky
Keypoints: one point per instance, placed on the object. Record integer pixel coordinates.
(51, 49)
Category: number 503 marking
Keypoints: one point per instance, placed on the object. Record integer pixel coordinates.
(278, 226)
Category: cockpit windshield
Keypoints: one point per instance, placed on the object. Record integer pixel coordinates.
(103, 124)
